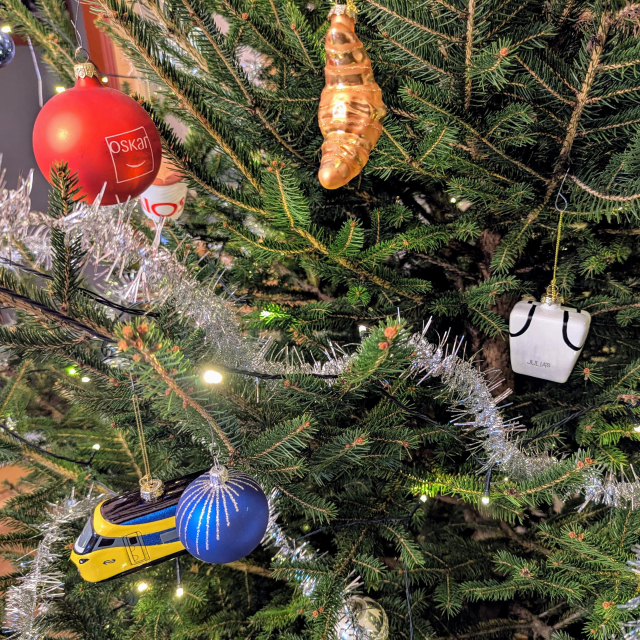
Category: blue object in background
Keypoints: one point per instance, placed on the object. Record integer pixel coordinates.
(222, 516)
(7, 49)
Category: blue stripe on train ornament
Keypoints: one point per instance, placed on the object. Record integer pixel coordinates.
(222, 516)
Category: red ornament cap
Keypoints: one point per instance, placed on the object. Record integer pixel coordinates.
(104, 135)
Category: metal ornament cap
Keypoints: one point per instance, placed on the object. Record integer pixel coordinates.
(151, 488)
(218, 475)
(342, 9)
(84, 70)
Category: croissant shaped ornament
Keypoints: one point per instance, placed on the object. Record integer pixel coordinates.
(351, 106)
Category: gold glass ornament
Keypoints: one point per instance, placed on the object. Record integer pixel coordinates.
(351, 106)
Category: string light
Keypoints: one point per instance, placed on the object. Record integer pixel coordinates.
(96, 446)
(505, 479)
(6, 29)
(212, 377)
(179, 589)
(485, 499)
(86, 379)
(362, 328)
(104, 79)
(423, 498)
(453, 201)
(60, 89)
(71, 371)
(143, 586)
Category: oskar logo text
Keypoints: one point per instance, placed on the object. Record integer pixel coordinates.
(535, 363)
(131, 154)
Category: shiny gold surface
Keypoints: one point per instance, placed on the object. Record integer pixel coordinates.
(84, 70)
(351, 106)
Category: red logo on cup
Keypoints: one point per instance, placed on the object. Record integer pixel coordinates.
(131, 154)
(169, 208)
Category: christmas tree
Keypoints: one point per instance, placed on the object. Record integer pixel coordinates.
(346, 348)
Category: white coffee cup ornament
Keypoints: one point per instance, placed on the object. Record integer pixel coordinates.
(165, 198)
(546, 338)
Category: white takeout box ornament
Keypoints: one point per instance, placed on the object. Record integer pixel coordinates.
(546, 339)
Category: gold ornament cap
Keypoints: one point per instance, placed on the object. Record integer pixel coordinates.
(84, 70)
(151, 488)
(341, 9)
(552, 296)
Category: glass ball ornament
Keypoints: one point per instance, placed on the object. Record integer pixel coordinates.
(7, 49)
(362, 619)
(222, 516)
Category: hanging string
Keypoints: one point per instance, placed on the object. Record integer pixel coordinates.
(143, 444)
(408, 597)
(552, 289)
(37, 69)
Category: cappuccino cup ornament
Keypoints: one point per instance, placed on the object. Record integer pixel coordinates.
(104, 136)
(165, 198)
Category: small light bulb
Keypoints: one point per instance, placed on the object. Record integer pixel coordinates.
(11, 428)
(143, 586)
(362, 328)
(485, 500)
(212, 377)
(265, 314)
(72, 371)
(505, 479)
(637, 428)
(423, 498)
(6, 29)
(104, 79)
(96, 446)
(179, 592)
(85, 379)
(453, 201)
(59, 89)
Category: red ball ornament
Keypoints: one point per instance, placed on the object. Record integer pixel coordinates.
(104, 136)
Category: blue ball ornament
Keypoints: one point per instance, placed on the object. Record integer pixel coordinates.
(222, 516)
(7, 49)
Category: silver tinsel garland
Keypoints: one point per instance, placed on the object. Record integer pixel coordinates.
(288, 550)
(110, 239)
(29, 600)
(631, 629)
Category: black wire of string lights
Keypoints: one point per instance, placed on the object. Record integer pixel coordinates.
(11, 433)
(87, 292)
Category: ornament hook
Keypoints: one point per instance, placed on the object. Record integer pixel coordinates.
(77, 53)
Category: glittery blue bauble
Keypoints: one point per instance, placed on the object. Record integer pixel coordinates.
(222, 516)
(7, 49)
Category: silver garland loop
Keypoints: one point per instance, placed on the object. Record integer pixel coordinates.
(29, 599)
(109, 238)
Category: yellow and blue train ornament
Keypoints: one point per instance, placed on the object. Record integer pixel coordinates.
(126, 534)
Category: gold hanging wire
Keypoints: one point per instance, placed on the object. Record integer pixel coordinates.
(553, 295)
(150, 487)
